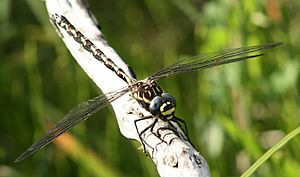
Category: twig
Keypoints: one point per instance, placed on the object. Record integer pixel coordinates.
(177, 157)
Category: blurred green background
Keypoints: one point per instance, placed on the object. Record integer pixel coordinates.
(234, 113)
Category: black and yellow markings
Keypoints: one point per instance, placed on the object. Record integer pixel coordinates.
(167, 110)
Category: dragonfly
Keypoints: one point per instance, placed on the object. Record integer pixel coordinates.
(147, 92)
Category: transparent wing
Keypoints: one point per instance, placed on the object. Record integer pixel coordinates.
(209, 60)
(76, 115)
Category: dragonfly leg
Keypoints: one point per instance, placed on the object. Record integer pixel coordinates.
(178, 121)
(185, 130)
(174, 129)
(170, 127)
(144, 130)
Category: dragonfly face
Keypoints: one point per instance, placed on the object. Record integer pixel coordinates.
(163, 106)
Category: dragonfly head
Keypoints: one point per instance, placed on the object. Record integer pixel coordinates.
(163, 105)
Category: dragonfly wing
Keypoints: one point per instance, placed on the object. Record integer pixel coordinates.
(209, 60)
(76, 115)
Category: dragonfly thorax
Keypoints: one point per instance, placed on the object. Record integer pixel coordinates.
(145, 91)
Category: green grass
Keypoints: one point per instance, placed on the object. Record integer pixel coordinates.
(271, 151)
(238, 115)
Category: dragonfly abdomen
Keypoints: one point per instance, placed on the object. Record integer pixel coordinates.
(90, 47)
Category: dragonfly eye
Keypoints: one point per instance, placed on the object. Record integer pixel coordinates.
(169, 98)
(155, 104)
